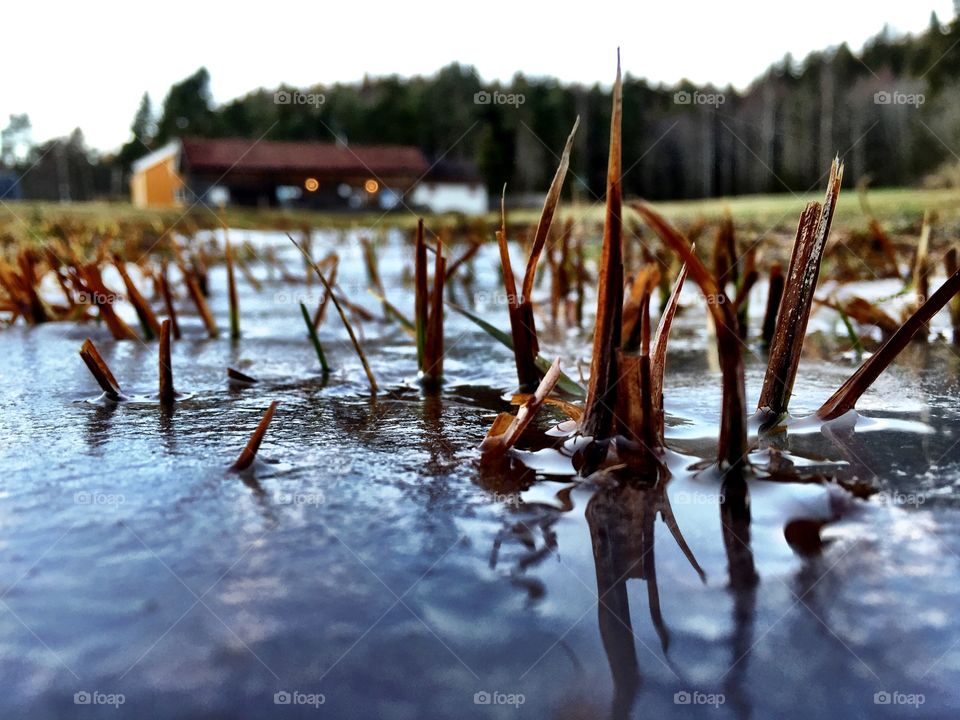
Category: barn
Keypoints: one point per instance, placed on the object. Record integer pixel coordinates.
(309, 175)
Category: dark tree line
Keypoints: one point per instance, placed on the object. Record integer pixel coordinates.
(891, 111)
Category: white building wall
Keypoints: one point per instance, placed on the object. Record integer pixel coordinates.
(451, 197)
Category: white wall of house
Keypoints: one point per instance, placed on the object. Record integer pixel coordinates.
(451, 197)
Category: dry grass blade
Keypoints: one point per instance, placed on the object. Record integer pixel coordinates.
(732, 446)
(249, 453)
(239, 377)
(846, 396)
(465, 258)
(507, 429)
(394, 313)
(640, 289)
(560, 278)
(359, 313)
(56, 266)
(522, 326)
(10, 281)
(421, 300)
(343, 319)
(331, 281)
(658, 354)
(637, 443)
(27, 259)
(373, 272)
(248, 275)
(100, 371)
(774, 296)
(509, 281)
(865, 313)
(546, 216)
(743, 295)
(231, 288)
(725, 267)
(196, 293)
(574, 412)
(433, 345)
(952, 265)
(94, 289)
(601, 393)
(167, 393)
(889, 251)
(801, 282)
(168, 301)
(148, 320)
(920, 265)
(877, 232)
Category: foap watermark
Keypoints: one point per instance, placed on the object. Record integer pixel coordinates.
(685, 97)
(496, 297)
(696, 497)
(898, 498)
(896, 97)
(299, 498)
(499, 698)
(294, 298)
(98, 298)
(685, 697)
(295, 97)
(895, 697)
(510, 499)
(95, 697)
(98, 498)
(713, 299)
(295, 697)
(484, 97)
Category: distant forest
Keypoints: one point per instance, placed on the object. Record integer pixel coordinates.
(891, 111)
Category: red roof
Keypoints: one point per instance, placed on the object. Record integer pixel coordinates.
(231, 154)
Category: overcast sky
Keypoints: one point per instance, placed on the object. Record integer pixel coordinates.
(86, 64)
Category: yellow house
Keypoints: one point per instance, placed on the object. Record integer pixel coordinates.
(156, 180)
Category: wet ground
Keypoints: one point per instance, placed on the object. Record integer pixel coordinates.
(370, 567)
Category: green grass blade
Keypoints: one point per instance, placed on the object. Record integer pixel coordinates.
(314, 339)
(566, 383)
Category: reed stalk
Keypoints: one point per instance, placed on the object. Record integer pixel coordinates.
(774, 296)
(167, 393)
(312, 332)
(100, 371)
(801, 282)
(343, 318)
(601, 392)
(231, 288)
(432, 372)
(148, 320)
(507, 428)
(732, 446)
(168, 301)
(846, 396)
(249, 453)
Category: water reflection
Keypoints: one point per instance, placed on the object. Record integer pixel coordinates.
(742, 584)
(622, 529)
(98, 424)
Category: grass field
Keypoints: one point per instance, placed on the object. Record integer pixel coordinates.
(895, 206)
